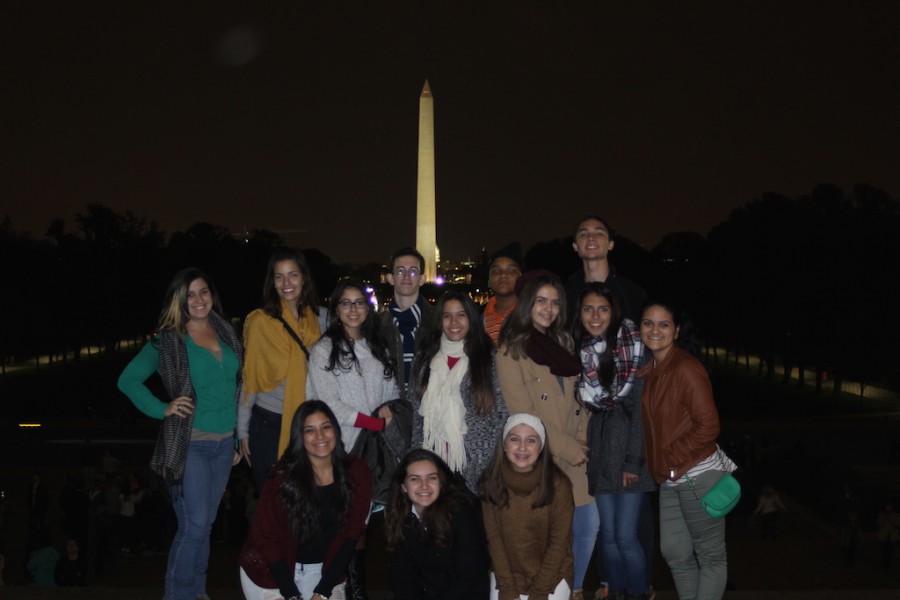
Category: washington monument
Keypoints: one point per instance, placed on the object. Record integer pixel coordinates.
(426, 234)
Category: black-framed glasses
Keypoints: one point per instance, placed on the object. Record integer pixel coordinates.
(358, 304)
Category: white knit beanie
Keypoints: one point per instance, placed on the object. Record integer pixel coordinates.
(530, 420)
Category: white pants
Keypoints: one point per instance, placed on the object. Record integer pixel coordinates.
(562, 591)
(307, 577)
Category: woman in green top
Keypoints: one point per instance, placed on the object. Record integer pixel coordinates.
(198, 356)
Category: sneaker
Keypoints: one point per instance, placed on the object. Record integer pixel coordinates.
(602, 593)
(578, 594)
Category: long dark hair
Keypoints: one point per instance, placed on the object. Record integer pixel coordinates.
(309, 297)
(493, 486)
(606, 368)
(342, 356)
(299, 490)
(477, 346)
(436, 520)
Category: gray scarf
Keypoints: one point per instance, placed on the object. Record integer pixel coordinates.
(170, 453)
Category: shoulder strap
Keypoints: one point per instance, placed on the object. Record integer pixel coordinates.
(295, 336)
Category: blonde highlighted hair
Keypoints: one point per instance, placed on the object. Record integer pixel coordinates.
(174, 314)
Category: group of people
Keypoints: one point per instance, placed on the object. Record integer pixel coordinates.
(507, 439)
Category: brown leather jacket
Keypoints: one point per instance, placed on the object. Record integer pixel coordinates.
(681, 422)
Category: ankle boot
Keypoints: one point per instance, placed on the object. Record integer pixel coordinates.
(356, 577)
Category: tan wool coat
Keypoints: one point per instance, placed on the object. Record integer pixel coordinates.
(531, 388)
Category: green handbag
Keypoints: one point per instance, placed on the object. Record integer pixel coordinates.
(722, 497)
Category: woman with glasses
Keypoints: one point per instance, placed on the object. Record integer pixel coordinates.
(277, 337)
(350, 368)
(351, 371)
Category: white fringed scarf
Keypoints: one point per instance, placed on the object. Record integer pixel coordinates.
(442, 408)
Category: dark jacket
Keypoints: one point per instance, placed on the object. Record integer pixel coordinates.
(391, 337)
(616, 442)
(681, 422)
(629, 296)
(420, 571)
(383, 450)
(272, 545)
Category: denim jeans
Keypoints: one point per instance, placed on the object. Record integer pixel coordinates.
(196, 502)
(646, 534)
(692, 542)
(620, 546)
(263, 433)
(585, 524)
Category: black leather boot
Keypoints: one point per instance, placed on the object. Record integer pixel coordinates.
(356, 577)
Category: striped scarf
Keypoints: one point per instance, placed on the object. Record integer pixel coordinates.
(407, 323)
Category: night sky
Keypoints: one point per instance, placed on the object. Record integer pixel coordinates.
(303, 120)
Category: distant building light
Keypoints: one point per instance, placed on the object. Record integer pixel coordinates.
(29, 425)
(439, 280)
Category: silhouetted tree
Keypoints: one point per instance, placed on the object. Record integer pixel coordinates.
(325, 272)
(800, 279)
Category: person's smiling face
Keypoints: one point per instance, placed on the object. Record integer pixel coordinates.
(422, 484)
(595, 312)
(199, 299)
(522, 447)
(319, 439)
(546, 308)
(454, 320)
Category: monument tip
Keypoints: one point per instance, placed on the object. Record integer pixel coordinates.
(426, 89)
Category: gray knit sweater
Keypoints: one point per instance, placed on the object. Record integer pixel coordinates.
(349, 393)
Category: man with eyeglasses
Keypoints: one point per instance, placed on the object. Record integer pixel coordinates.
(407, 313)
(504, 269)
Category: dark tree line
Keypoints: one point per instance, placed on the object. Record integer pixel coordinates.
(103, 281)
(808, 283)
